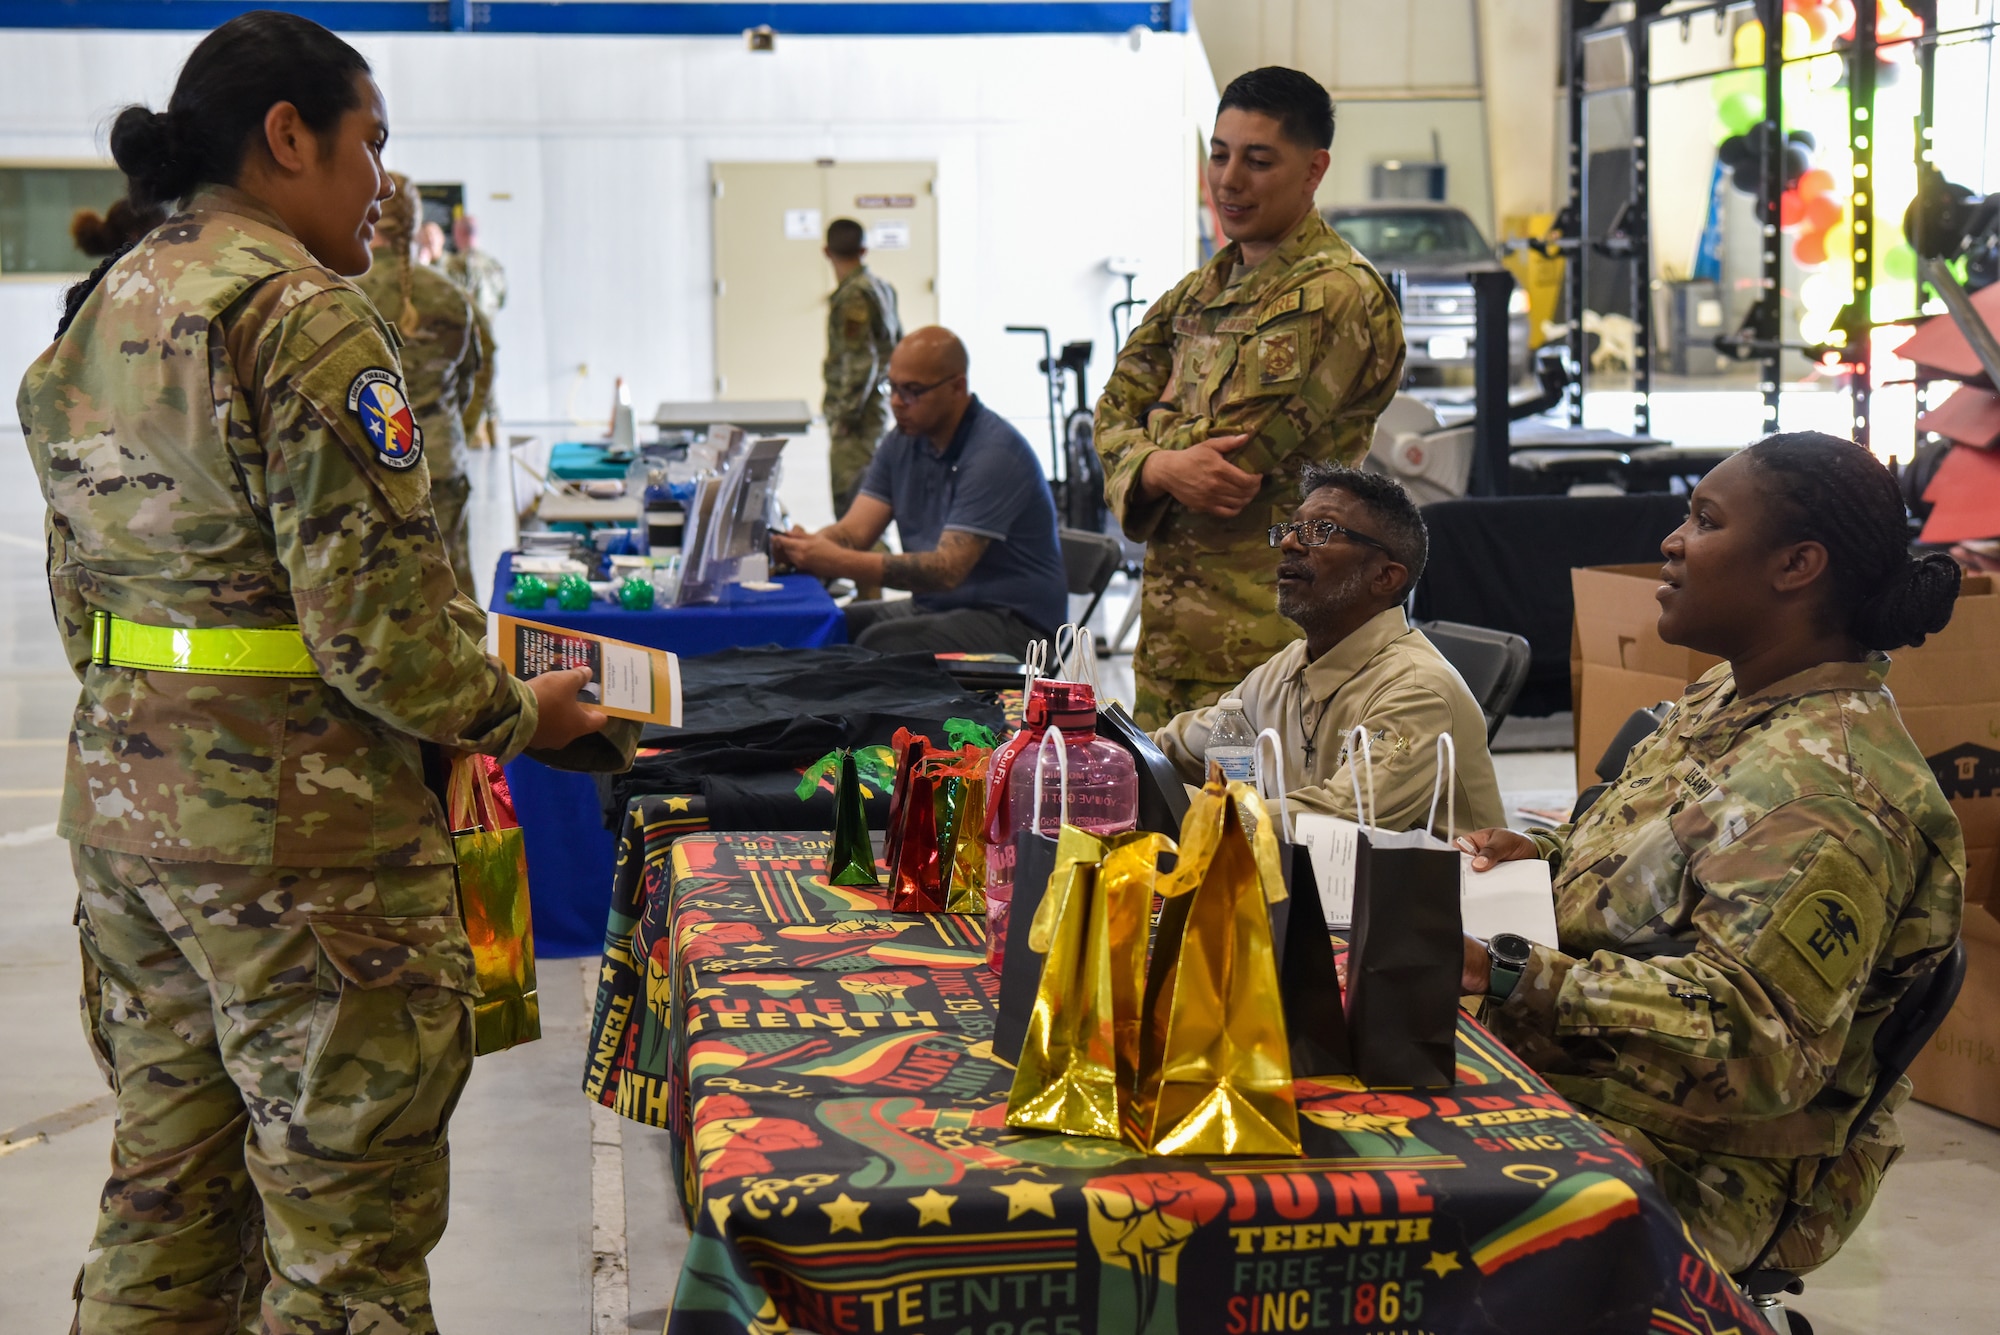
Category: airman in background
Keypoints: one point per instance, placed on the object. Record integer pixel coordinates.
(1280, 351)
(447, 359)
(862, 329)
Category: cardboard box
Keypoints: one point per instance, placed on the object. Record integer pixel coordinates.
(1960, 1070)
(1617, 660)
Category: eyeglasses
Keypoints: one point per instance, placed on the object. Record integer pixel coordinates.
(1318, 533)
(908, 393)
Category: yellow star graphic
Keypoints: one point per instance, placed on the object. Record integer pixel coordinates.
(758, 950)
(607, 973)
(843, 1213)
(933, 1207)
(679, 803)
(1025, 1196)
(1443, 1263)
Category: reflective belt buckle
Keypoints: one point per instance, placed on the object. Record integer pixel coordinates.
(100, 637)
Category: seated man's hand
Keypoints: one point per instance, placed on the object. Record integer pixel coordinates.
(1201, 476)
(814, 553)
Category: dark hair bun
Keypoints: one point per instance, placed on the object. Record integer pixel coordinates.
(1917, 602)
(145, 147)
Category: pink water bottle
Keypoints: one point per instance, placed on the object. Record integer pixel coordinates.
(1100, 795)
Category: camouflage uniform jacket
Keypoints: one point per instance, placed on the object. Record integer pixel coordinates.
(447, 354)
(862, 329)
(1739, 912)
(1302, 353)
(480, 277)
(200, 440)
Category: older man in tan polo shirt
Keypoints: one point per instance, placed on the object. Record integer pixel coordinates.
(1345, 564)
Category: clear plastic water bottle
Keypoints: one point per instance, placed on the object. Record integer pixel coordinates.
(1232, 742)
(1103, 791)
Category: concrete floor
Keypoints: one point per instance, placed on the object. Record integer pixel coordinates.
(555, 1211)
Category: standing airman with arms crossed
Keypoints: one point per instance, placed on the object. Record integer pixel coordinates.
(1280, 351)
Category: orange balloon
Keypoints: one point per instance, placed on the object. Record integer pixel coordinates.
(1810, 248)
(1815, 183)
(1819, 19)
(1822, 212)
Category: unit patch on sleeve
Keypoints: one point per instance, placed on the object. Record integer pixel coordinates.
(379, 404)
(1825, 928)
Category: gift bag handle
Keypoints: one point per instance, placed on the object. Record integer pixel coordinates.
(1037, 661)
(1355, 748)
(1062, 767)
(1447, 784)
(1081, 666)
(1278, 768)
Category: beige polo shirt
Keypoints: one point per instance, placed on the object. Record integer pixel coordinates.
(1387, 677)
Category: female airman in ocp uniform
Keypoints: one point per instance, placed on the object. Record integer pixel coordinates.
(246, 572)
(1772, 870)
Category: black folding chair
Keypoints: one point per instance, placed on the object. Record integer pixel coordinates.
(1905, 1033)
(1494, 664)
(1641, 725)
(1089, 562)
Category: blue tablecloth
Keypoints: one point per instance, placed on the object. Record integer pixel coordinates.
(583, 461)
(570, 854)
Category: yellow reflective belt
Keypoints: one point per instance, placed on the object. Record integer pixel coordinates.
(224, 651)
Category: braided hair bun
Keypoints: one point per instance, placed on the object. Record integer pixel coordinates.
(1834, 492)
(149, 149)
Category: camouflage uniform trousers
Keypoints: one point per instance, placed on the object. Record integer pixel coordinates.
(449, 496)
(851, 448)
(1158, 699)
(283, 1080)
(1731, 1204)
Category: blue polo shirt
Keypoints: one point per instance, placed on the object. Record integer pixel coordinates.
(987, 482)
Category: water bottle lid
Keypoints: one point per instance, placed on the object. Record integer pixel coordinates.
(1232, 702)
(1069, 705)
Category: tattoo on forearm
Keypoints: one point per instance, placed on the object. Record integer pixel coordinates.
(933, 572)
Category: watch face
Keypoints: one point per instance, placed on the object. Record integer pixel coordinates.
(1510, 950)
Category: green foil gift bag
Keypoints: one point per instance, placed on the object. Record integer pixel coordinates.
(851, 860)
(493, 902)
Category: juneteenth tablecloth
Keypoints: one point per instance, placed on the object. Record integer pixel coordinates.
(838, 1118)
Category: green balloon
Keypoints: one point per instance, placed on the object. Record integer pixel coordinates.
(1900, 262)
(1739, 111)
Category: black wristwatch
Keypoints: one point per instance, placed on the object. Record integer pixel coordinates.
(1507, 958)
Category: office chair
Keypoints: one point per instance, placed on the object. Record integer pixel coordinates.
(1907, 1030)
(1089, 562)
(1494, 664)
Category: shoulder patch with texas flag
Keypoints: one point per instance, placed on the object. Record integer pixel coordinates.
(377, 401)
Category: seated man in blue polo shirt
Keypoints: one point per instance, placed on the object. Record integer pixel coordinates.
(980, 555)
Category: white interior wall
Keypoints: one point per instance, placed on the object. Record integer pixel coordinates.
(586, 161)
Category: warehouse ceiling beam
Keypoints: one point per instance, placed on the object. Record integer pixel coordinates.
(650, 18)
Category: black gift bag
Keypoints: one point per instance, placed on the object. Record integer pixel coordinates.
(1163, 799)
(1308, 983)
(1405, 952)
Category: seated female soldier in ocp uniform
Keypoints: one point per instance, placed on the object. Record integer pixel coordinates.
(1772, 870)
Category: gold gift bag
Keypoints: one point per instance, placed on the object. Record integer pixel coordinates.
(1215, 1071)
(493, 901)
(966, 890)
(1067, 1076)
